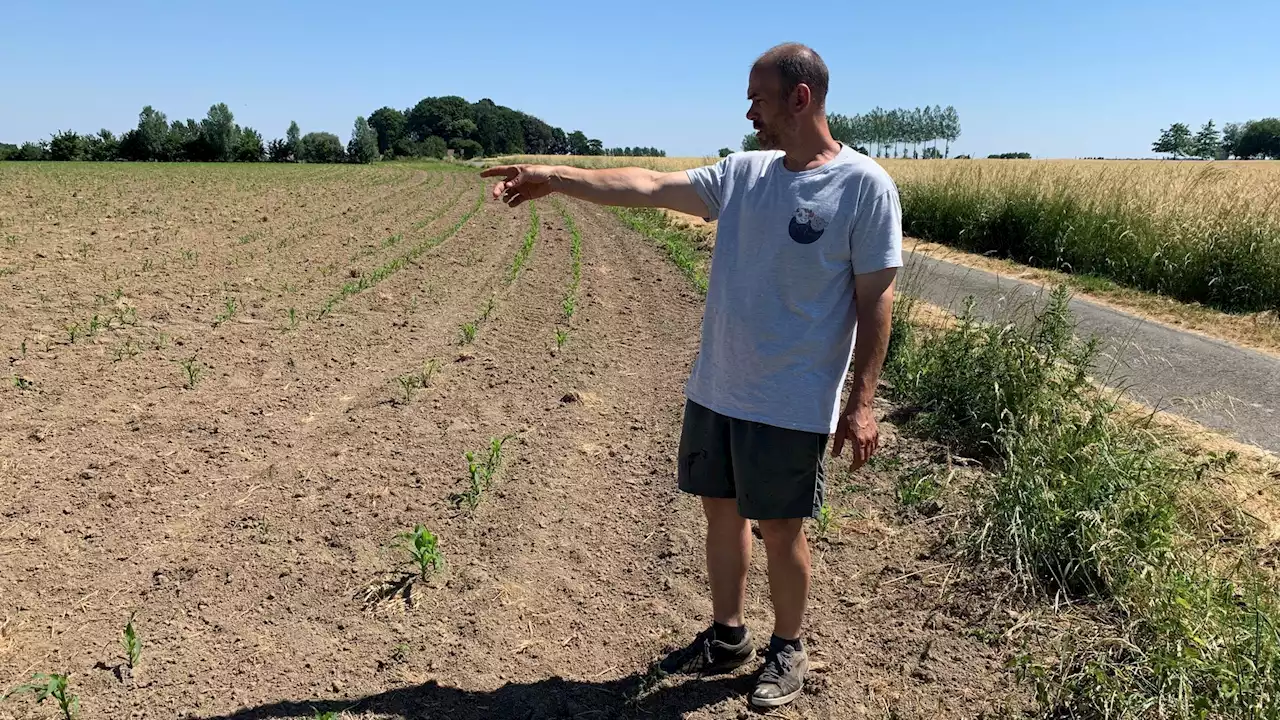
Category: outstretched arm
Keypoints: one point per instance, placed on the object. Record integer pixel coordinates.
(627, 187)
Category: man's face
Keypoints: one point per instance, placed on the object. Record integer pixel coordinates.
(769, 113)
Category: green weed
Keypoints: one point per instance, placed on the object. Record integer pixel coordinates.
(423, 548)
(193, 371)
(468, 333)
(22, 383)
(918, 487)
(132, 644)
(54, 686)
(229, 308)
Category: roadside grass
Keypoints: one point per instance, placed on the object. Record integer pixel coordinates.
(1095, 509)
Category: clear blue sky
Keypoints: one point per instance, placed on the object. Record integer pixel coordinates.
(1050, 77)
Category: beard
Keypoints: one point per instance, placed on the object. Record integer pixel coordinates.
(770, 136)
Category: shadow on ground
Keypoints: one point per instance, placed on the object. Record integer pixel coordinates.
(541, 700)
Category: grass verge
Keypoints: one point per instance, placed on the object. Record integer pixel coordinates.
(1095, 509)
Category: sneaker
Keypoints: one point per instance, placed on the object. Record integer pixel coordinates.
(708, 656)
(782, 678)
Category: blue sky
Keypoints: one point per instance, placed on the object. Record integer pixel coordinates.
(1053, 78)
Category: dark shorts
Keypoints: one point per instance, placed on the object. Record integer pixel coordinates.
(774, 473)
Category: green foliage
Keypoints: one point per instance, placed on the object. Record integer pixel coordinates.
(562, 337)
(249, 146)
(7, 151)
(480, 473)
(1089, 508)
(192, 370)
(467, 333)
(750, 142)
(902, 126)
(390, 125)
(569, 304)
(466, 148)
(825, 520)
(918, 488)
(363, 147)
(1175, 140)
(1207, 143)
(725, 152)
(1010, 156)
(67, 145)
(321, 147)
(1260, 138)
(132, 644)
(229, 308)
(423, 548)
(218, 131)
(293, 139)
(52, 686)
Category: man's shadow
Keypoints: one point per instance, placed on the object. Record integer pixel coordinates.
(632, 696)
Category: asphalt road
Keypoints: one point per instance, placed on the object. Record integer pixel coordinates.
(1219, 385)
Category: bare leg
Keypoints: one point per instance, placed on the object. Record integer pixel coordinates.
(788, 552)
(728, 552)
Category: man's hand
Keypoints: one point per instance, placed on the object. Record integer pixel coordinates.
(858, 427)
(520, 182)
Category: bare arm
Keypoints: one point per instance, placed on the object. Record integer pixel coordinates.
(874, 307)
(627, 187)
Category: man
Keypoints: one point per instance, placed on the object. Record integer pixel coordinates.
(807, 247)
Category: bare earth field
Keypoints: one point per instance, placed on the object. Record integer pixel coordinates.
(200, 425)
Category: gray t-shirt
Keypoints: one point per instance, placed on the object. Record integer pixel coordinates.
(777, 333)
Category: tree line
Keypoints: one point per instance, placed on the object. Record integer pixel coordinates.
(890, 132)
(429, 129)
(1245, 141)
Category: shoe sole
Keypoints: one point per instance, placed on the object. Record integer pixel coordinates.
(775, 702)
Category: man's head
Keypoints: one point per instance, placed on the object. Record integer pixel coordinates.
(787, 90)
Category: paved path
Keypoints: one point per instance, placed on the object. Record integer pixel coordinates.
(1217, 384)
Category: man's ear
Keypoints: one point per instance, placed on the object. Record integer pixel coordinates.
(801, 98)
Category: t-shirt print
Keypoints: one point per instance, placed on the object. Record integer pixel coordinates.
(806, 226)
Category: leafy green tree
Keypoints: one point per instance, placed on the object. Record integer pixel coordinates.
(321, 147)
(153, 134)
(1175, 140)
(278, 151)
(725, 152)
(7, 150)
(249, 146)
(389, 124)
(750, 142)
(559, 142)
(595, 147)
(293, 138)
(186, 141)
(434, 147)
(67, 145)
(102, 147)
(363, 146)
(31, 151)
(466, 148)
(578, 143)
(218, 129)
(1207, 142)
(1230, 139)
(1260, 138)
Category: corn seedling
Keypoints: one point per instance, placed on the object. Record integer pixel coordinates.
(190, 255)
(11, 240)
(74, 332)
(468, 332)
(228, 311)
(22, 383)
(825, 520)
(409, 383)
(147, 265)
(489, 307)
(161, 341)
(562, 336)
(127, 349)
(429, 369)
(193, 370)
(530, 237)
(293, 318)
(132, 644)
(424, 550)
(54, 686)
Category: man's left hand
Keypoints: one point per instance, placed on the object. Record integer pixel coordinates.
(858, 427)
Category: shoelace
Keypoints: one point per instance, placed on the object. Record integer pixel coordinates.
(777, 664)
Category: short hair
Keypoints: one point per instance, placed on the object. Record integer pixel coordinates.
(797, 64)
